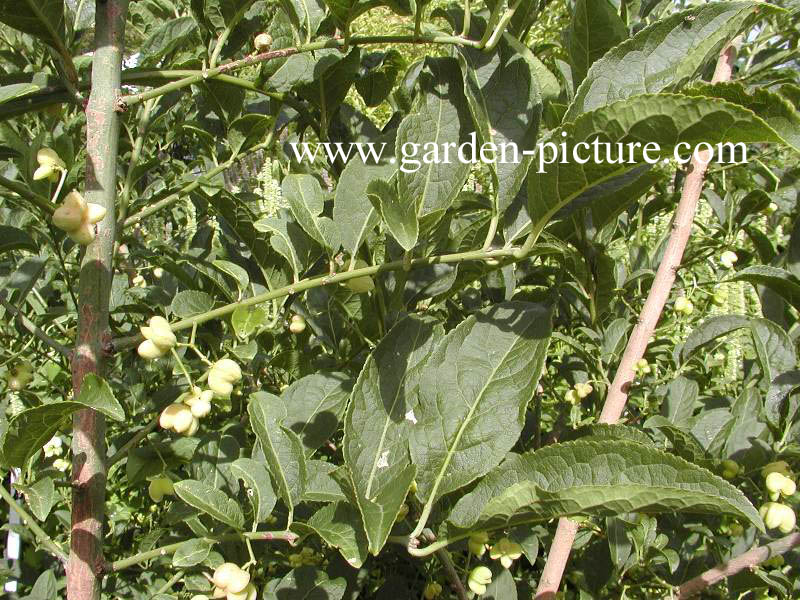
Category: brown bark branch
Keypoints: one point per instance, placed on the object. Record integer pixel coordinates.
(640, 336)
(84, 571)
(744, 561)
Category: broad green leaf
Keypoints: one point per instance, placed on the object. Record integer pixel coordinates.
(303, 68)
(595, 28)
(773, 108)
(376, 85)
(210, 501)
(322, 484)
(353, 213)
(247, 320)
(710, 330)
(347, 10)
(774, 348)
(219, 451)
(340, 526)
(247, 131)
(96, 393)
(662, 56)
(257, 485)
(40, 496)
(778, 280)
(314, 406)
(473, 394)
(307, 583)
(16, 90)
(503, 95)
(780, 389)
(32, 428)
(502, 587)
(12, 238)
(165, 38)
(399, 215)
(45, 587)
(329, 90)
(440, 116)
(189, 303)
(684, 444)
(305, 15)
(289, 240)
(597, 478)
(304, 194)
(191, 553)
(605, 431)
(679, 403)
(379, 421)
(662, 120)
(43, 19)
(282, 448)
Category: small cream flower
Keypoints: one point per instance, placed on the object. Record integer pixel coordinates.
(507, 551)
(478, 579)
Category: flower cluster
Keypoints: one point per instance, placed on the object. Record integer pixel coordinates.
(222, 375)
(158, 339)
(233, 583)
(50, 165)
(578, 392)
(779, 482)
(77, 217)
(184, 415)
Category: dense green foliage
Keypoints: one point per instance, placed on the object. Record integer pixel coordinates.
(395, 369)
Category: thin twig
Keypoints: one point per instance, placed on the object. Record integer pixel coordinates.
(749, 559)
(449, 568)
(40, 534)
(34, 329)
(614, 405)
(131, 443)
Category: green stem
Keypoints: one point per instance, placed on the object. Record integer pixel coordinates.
(216, 72)
(230, 26)
(23, 192)
(257, 536)
(501, 26)
(136, 154)
(509, 254)
(190, 187)
(132, 443)
(467, 18)
(170, 582)
(492, 231)
(39, 533)
(32, 328)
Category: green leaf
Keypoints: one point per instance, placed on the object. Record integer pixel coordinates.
(189, 303)
(45, 587)
(40, 496)
(347, 10)
(597, 478)
(379, 420)
(12, 238)
(399, 215)
(502, 91)
(96, 393)
(502, 587)
(440, 116)
(376, 85)
(258, 486)
(711, 330)
(473, 395)
(780, 389)
(684, 444)
(305, 15)
(605, 431)
(247, 320)
(340, 526)
(329, 90)
(289, 240)
(307, 583)
(773, 108)
(664, 55)
(595, 28)
(353, 213)
(774, 348)
(43, 19)
(16, 90)
(304, 68)
(167, 37)
(247, 131)
(191, 553)
(778, 280)
(662, 120)
(304, 194)
(322, 484)
(282, 447)
(210, 501)
(314, 406)
(32, 428)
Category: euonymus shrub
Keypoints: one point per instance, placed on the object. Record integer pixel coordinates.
(339, 379)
